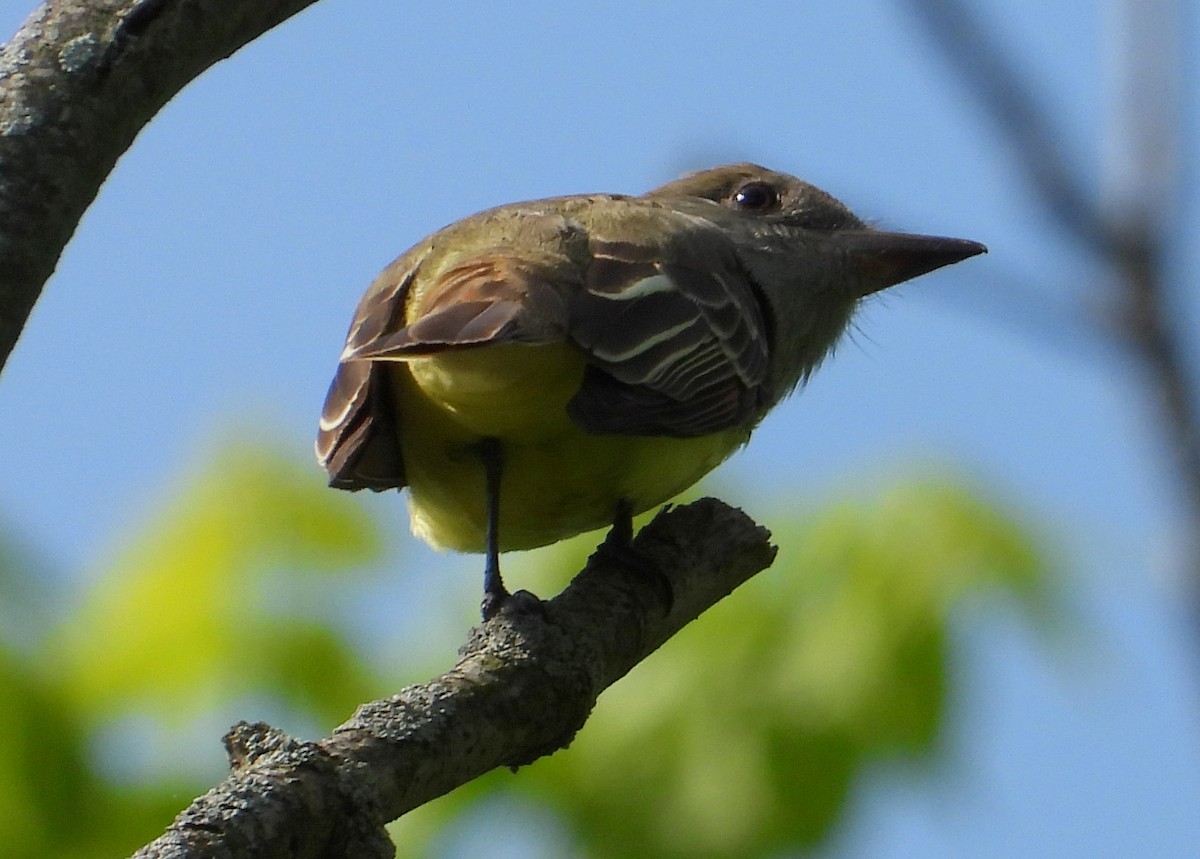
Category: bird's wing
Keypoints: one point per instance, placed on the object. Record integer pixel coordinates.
(356, 439)
(467, 298)
(499, 295)
(675, 336)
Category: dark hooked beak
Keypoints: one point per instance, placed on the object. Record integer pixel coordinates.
(886, 259)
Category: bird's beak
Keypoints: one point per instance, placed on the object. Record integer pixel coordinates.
(886, 259)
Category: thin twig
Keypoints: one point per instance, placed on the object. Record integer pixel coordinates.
(1128, 240)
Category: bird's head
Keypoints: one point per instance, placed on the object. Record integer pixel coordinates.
(810, 257)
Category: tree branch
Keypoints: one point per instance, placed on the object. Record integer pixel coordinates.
(77, 83)
(1128, 238)
(524, 685)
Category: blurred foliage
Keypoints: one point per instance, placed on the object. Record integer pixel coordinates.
(182, 619)
(741, 737)
(184, 614)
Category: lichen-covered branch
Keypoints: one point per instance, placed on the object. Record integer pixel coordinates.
(77, 83)
(524, 684)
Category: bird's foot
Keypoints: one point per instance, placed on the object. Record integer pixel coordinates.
(519, 602)
(619, 552)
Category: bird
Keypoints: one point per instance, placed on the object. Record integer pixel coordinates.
(546, 368)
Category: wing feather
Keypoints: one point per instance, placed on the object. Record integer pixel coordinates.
(497, 296)
(356, 439)
(675, 337)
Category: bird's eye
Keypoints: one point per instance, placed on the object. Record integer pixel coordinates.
(755, 197)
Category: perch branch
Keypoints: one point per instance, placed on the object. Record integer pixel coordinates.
(524, 684)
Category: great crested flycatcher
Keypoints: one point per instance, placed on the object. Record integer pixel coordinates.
(546, 368)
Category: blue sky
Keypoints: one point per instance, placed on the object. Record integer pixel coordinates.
(210, 285)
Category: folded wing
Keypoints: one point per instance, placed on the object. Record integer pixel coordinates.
(675, 338)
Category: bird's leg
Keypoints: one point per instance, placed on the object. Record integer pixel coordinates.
(620, 535)
(495, 596)
(619, 549)
(494, 592)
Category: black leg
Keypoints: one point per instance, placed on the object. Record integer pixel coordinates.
(494, 592)
(620, 536)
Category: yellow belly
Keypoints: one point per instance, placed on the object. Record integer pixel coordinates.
(557, 481)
